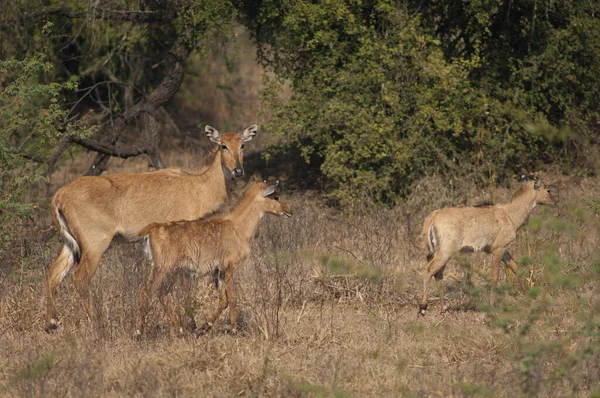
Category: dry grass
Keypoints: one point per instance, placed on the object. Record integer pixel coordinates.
(327, 309)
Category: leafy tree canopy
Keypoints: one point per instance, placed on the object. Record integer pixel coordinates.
(91, 74)
(386, 91)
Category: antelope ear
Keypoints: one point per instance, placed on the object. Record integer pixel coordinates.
(249, 133)
(270, 189)
(213, 134)
(528, 177)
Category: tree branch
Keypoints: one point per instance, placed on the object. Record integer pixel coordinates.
(102, 14)
(169, 85)
(51, 161)
(120, 151)
(32, 156)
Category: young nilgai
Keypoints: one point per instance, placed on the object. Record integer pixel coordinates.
(490, 229)
(206, 247)
(91, 211)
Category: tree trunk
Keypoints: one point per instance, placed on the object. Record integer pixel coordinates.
(151, 138)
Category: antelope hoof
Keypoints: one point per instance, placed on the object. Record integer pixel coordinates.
(191, 326)
(232, 331)
(422, 310)
(52, 325)
(137, 335)
(203, 330)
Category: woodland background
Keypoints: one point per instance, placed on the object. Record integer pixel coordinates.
(372, 113)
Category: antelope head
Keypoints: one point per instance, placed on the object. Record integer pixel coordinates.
(543, 195)
(271, 203)
(232, 148)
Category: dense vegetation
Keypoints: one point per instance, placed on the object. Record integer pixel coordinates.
(383, 92)
(387, 91)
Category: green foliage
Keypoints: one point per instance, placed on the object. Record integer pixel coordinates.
(31, 122)
(475, 390)
(38, 368)
(204, 21)
(383, 94)
(342, 266)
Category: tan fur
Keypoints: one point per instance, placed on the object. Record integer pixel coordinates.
(91, 211)
(205, 247)
(490, 228)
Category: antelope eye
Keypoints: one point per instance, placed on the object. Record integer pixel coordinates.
(242, 146)
(276, 197)
(223, 147)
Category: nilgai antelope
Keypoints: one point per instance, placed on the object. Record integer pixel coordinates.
(91, 211)
(473, 229)
(214, 246)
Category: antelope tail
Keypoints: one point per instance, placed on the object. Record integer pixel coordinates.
(431, 242)
(145, 235)
(68, 237)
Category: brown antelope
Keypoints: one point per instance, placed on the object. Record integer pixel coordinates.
(473, 229)
(214, 246)
(91, 211)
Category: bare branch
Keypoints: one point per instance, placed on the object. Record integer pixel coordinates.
(32, 156)
(98, 165)
(118, 46)
(51, 161)
(169, 120)
(103, 14)
(122, 151)
(170, 83)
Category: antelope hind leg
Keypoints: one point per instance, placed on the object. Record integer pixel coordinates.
(54, 276)
(83, 276)
(188, 282)
(436, 264)
(232, 300)
(496, 257)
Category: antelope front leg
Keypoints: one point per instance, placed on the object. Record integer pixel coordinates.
(439, 278)
(512, 264)
(221, 307)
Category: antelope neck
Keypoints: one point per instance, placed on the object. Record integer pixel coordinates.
(520, 207)
(246, 217)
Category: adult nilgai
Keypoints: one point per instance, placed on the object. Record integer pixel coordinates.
(91, 211)
(216, 246)
(472, 229)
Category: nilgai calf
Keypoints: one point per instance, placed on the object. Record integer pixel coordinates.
(91, 211)
(473, 229)
(214, 246)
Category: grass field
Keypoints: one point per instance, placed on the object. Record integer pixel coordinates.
(327, 308)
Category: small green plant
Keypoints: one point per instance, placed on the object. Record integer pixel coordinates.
(38, 368)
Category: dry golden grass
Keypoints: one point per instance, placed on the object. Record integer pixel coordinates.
(327, 308)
